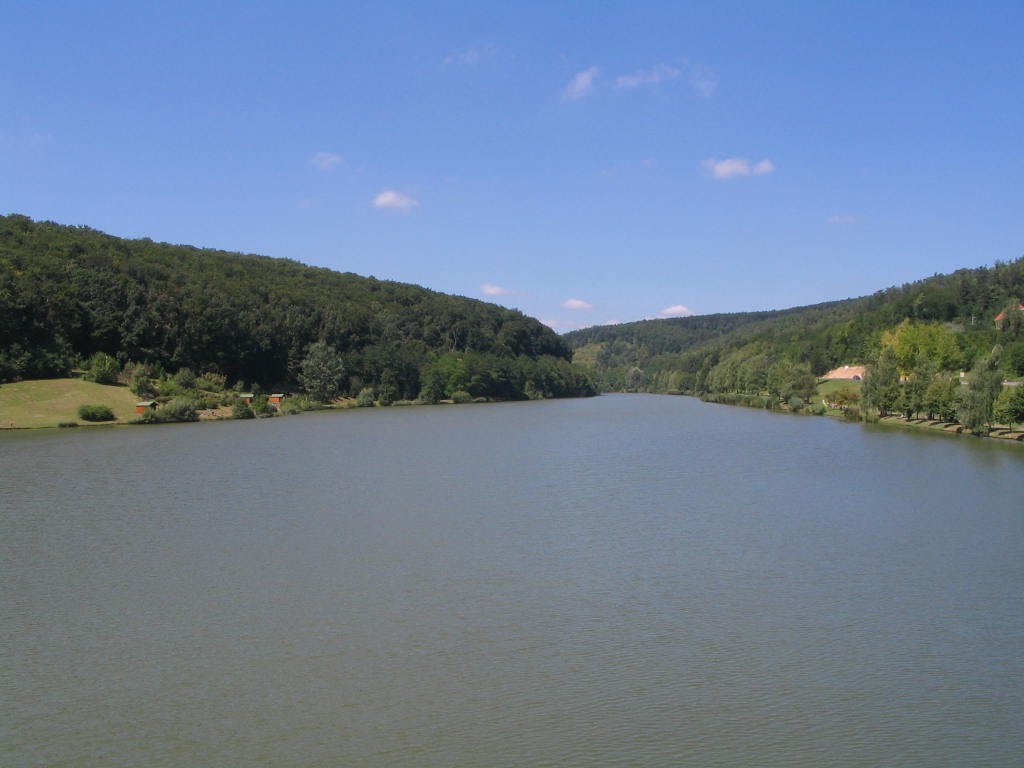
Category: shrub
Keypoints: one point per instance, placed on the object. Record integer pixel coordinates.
(796, 403)
(299, 404)
(261, 407)
(95, 413)
(103, 369)
(212, 382)
(241, 410)
(169, 387)
(185, 379)
(142, 384)
(461, 396)
(365, 398)
(67, 424)
(178, 409)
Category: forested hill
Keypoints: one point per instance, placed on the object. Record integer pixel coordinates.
(680, 353)
(67, 293)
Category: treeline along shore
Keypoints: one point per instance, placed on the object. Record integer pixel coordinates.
(947, 350)
(162, 318)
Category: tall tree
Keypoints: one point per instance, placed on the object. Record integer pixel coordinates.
(321, 372)
(882, 383)
(983, 385)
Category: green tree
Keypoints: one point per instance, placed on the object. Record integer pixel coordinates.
(916, 386)
(321, 372)
(387, 392)
(432, 381)
(941, 397)
(984, 383)
(1009, 406)
(882, 383)
(1013, 358)
(142, 384)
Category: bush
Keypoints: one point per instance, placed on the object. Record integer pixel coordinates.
(365, 398)
(262, 408)
(185, 379)
(796, 403)
(179, 409)
(103, 369)
(461, 396)
(212, 382)
(300, 404)
(142, 384)
(241, 410)
(95, 413)
(67, 424)
(169, 387)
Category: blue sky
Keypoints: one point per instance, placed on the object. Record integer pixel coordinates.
(585, 162)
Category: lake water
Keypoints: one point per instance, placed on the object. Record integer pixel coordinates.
(621, 581)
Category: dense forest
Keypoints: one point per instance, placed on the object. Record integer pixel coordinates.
(68, 294)
(914, 337)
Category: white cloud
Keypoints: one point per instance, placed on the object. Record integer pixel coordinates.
(581, 84)
(470, 57)
(389, 198)
(676, 310)
(656, 74)
(703, 80)
(325, 161)
(733, 167)
(841, 218)
(577, 304)
(490, 289)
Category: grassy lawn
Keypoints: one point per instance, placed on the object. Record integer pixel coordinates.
(47, 402)
(826, 388)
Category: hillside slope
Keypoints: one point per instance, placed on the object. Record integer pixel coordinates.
(69, 292)
(823, 336)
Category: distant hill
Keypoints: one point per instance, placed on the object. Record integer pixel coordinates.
(67, 293)
(645, 354)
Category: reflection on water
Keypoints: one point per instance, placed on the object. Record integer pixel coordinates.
(627, 580)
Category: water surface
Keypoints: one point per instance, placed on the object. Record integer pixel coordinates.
(625, 580)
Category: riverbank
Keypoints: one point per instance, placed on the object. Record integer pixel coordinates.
(53, 403)
(998, 432)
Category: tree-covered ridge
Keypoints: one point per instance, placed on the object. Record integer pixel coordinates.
(67, 293)
(682, 354)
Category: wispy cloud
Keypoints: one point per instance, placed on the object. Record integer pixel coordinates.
(733, 167)
(389, 198)
(657, 74)
(702, 79)
(471, 56)
(676, 310)
(840, 219)
(325, 161)
(577, 304)
(581, 84)
(490, 289)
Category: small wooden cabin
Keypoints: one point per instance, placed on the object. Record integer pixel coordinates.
(276, 398)
(146, 405)
(246, 397)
